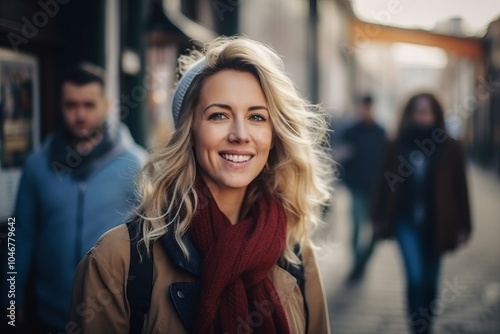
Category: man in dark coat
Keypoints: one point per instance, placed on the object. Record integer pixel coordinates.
(364, 143)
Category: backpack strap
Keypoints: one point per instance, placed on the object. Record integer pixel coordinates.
(298, 273)
(140, 279)
(301, 280)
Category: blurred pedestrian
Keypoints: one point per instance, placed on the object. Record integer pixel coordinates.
(422, 200)
(226, 210)
(362, 146)
(72, 190)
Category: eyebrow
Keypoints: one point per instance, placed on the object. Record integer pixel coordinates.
(228, 107)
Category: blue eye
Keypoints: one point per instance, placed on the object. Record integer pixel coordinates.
(217, 117)
(257, 118)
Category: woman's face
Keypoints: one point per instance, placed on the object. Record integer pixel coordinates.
(422, 114)
(232, 131)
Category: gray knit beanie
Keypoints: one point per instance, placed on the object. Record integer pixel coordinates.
(183, 86)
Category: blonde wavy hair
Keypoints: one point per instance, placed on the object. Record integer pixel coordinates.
(299, 169)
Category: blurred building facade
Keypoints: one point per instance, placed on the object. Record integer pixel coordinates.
(485, 124)
(307, 33)
(124, 37)
(331, 54)
(394, 63)
(138, 42)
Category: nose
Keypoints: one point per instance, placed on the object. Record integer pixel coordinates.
(239, 131)
(80, 112)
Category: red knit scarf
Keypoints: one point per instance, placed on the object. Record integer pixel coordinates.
(237, 296)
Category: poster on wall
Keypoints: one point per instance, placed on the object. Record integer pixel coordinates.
(19, 122)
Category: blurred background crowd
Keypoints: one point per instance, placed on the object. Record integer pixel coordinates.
(359, 59)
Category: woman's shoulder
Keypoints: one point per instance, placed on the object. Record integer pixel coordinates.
(306, 256)
(113, 246)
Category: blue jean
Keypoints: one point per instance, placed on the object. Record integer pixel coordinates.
(359, 213)
(422, 273)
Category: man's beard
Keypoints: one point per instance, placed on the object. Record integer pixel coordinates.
(84, 143)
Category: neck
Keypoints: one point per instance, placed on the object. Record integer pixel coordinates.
(87, 144)
(229, 200)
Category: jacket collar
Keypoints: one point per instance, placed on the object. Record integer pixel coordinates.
(193, 263)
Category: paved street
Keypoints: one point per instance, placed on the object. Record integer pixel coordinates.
(470, 277)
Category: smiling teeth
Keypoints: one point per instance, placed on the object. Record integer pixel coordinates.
(236, 158)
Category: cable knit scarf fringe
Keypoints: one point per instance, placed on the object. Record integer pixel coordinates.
(237, 296)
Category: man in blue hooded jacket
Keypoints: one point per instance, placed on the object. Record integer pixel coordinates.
(76, 187)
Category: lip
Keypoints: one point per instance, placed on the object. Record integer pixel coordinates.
(80, 126)
(236, 152)
(234, 164)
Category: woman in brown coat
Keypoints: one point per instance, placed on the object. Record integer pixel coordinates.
(422, 200)
(225, 214)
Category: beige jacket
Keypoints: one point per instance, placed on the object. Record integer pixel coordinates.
(99, 303)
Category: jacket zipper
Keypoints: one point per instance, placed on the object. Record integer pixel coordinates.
(79, 222)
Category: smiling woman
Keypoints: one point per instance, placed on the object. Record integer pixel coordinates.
(232, 136)
(227, 207)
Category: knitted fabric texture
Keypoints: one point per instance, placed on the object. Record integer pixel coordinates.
(183, 86)
(236, 262)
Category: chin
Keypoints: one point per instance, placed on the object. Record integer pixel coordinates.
(239, 181)
(232, 182)
(226, 178)
(79, 135)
